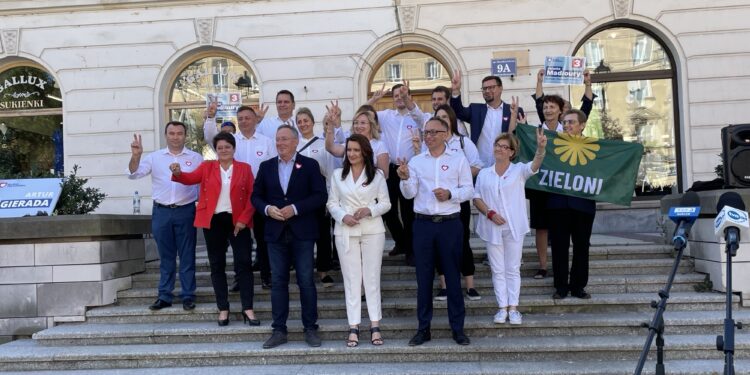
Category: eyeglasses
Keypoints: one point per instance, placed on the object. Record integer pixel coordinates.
(502, 147)
(434, 132)
(488, 88)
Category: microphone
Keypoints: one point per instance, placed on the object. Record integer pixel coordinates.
(684, 216)
(731, 220)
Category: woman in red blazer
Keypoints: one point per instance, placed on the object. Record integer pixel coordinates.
(225, 213)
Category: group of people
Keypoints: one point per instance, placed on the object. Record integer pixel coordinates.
(400, 168)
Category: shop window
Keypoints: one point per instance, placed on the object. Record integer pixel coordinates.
(210, 77)
(635, 84)
(31, 138)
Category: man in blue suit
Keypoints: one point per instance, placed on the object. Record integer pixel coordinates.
(290, 190)
(487, 121)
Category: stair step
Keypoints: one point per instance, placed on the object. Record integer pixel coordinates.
(406, 307)
(538, 325)
(598, 284)
(29, 355)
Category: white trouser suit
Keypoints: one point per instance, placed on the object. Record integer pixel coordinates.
(360, 247)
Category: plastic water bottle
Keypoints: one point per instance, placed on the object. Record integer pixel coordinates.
(136, 203)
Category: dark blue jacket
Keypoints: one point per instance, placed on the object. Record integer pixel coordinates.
(306, 191)
(475, 113)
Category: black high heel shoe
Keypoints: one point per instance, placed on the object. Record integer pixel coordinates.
(224, 322)
(246, 319)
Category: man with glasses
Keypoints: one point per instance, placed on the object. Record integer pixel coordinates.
(438, 180)
(487, 121)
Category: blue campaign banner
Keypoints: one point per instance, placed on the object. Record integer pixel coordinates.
(29, 196)
(228, 104)
(564, 70)
(503, 67)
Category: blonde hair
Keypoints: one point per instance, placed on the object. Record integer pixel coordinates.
(374, 126)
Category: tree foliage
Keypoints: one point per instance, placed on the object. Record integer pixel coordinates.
(75, 199)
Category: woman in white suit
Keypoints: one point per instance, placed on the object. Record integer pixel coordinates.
(358, 199)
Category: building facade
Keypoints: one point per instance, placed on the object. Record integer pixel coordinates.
(79, 77)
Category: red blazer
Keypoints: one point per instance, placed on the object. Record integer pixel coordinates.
(209, 176)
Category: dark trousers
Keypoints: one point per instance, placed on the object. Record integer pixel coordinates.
(175, 236)
(325, 253)
(575, 225)
(261, 248)
(441, 240)
(467, 256)
(282, 253)
(217, 237)
(401, 230)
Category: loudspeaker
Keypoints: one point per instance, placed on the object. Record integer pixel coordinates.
(735, 145)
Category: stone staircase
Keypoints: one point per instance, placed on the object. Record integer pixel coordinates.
(602, 335)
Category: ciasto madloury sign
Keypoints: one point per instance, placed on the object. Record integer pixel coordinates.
(20, 99)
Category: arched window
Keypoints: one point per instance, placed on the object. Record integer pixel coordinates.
(423, 71)
(210, 76)
(31, 138)
(634, 80)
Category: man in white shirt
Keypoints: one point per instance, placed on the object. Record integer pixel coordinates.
(440, 96)
(252, 148)
(399, 126)
(438, 180)
(173, 211)
(285, 115)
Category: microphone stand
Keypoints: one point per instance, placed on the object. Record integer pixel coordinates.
(656, 327)
(725, 343)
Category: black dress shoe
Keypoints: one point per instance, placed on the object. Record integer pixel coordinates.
(582, 294)
(223, 322)
(460, 338)
(265, 284)
(420, 338)
(159, 304)
(235, 286)
(312, 338)
(559, 295)
(396, 251)
(188, 304)
(276, 339)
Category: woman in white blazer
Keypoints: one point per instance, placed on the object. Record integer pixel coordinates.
(500, 199)
(358, 199)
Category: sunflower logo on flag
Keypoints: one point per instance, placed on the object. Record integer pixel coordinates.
(575, 150)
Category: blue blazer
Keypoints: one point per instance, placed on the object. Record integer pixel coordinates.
(475, 113)
(306, 191)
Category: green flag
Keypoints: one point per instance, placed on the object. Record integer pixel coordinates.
(599, 169)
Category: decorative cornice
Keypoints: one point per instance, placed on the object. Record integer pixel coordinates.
(408, 18)
(10, 41)
(622, 8)
(204, 29)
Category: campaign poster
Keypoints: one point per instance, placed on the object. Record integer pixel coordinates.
(26, 197)
(564, 70)
(228, 103)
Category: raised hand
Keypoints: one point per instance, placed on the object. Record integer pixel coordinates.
(521, 118)
(587, 77)
(261, 113)
(403, 169)
(456, 82)
(136, 147)
(333, 113)
(514, 104)
(211, 109)
(377, 95)
(541, 139)
(416, 141)
(540, 75)
(175, 168)
(408, 100)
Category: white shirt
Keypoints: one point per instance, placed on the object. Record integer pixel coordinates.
(269, 125)
(224, 204)
(165, 191)
(317, 151)
(348, 196)
(558, 129)
(492, 128)
(254, 150)
(378, 148)
(397, 131)
(448, 171)
(469, 150)
(505, 195)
